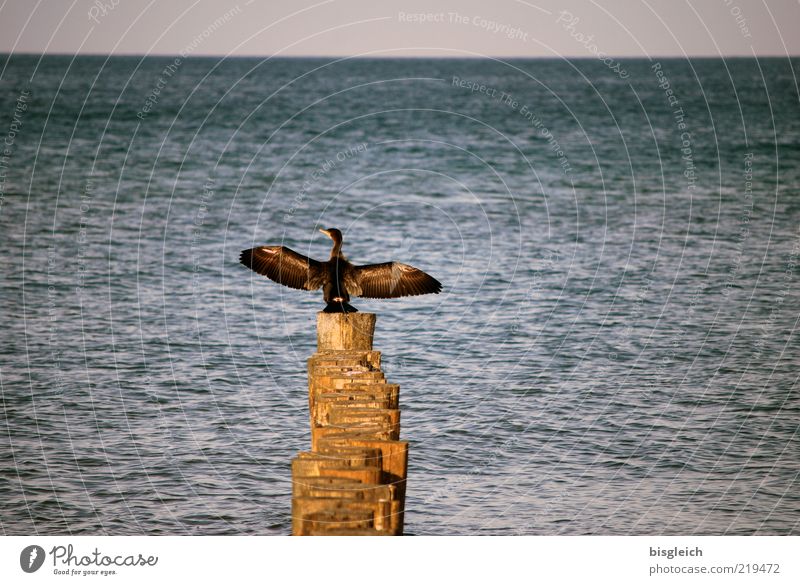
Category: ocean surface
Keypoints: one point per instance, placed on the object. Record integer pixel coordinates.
(615, 350)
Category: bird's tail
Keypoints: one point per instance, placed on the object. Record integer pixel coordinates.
(339, 307)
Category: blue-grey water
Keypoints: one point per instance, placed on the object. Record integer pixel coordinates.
(615, 350)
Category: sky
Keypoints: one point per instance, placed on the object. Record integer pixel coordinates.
(457, 28)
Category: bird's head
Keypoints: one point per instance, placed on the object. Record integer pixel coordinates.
(333, 234)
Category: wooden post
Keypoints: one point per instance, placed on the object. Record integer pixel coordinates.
(354, 478)
(345, 331)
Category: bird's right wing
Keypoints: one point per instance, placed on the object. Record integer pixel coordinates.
(285, 266)
(390, 280)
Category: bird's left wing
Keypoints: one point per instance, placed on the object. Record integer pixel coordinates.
(390, 280)
(285, 266)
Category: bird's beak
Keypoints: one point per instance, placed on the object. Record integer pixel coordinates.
(326, 232)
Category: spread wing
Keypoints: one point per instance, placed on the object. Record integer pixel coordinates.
(285, 266)
(390, 280)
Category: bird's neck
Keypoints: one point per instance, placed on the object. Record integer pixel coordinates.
(336, 251)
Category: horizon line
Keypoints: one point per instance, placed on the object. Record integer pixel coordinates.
(377, 57)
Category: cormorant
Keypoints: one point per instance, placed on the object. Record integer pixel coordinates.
(338, 278)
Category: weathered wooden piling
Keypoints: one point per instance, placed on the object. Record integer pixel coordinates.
(353, 480)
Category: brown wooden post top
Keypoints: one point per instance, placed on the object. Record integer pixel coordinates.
(345, 331)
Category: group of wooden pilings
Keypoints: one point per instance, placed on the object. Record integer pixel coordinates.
(353, 480)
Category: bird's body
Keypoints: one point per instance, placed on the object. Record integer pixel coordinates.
(338, 278)
(334, 291)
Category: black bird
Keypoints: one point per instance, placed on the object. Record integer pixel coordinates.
(338, 278)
